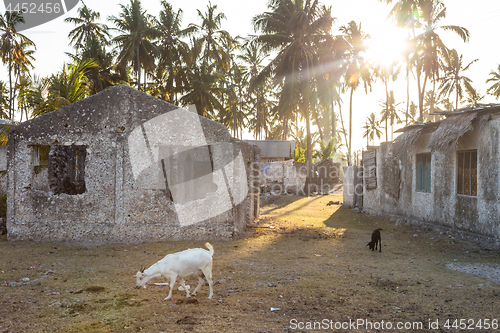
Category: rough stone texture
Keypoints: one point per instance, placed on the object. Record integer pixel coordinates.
(348, 188)
(114, 206)
(3, 169)
(442, 205)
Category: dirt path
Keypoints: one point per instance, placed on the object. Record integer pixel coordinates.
(302, 263)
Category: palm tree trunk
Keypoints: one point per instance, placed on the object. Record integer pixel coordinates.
(386, 110)
(342, 122)
(309, 152)
(334, 124)
(319, 127)
(407, 93)
(350, 128)
(235, 133)
(11, 101)
(138, 66)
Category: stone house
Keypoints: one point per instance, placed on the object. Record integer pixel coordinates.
(274, 150)
(122, 166)
(445, 173)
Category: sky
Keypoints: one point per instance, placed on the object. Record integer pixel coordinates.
(479, 17)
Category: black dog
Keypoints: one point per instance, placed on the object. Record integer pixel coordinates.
(375, 239)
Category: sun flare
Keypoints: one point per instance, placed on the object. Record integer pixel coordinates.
(387, 45)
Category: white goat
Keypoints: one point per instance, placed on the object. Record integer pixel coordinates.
(192, 262)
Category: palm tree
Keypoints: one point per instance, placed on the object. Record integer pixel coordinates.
(294, 30)
(253, 56)
(495, 78)
(453, 80)
(67, 86)
(326, 150)
(386, 73)
(412, 113)
(103, 74)
(357, 69)
(32, 95)
(473, 100)
(372, 129)
(430, 105)
(389, 112)
(172, 49)
(22, 63)
(301, 143)
(405, 15)
(4, 101)
(11, 42)
(429, 45)
(134, 41)
(203, 90)
(212, 36)
(87, 28)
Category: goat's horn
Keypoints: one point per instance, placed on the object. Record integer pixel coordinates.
(142, 269)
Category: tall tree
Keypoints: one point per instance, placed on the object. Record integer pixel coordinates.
(494, 89)
(203, 90)
(4, 101)
(11, 42)
(357, 68)
(372, 129)
(87, 28)
(253, 57)
(212, 36)
(430, 47)
(68, 86)
(389, 112)
(103, 75)
(453, 80)
(134, 40)
(294, 30)
(386, 73)
(172, 48)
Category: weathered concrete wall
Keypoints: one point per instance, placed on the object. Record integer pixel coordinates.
(3, 169)
(442, 205)
(118, 205)
(291, 177)
(348, 186)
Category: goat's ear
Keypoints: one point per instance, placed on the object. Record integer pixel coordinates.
(142, 269)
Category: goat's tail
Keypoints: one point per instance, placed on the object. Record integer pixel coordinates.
(210, 248)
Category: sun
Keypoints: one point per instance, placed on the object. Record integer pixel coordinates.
(387, 45)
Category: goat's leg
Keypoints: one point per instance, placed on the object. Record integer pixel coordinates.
(172, 282)
(207, 271)
(380, 244)
(200, 282)
(183, 284)
(210, 284)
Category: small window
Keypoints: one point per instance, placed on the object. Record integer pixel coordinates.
(424, 172)
(467, 172)
(67, 169)
(40, 158)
